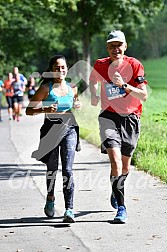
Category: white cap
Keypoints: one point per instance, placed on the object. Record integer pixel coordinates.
(116, 36)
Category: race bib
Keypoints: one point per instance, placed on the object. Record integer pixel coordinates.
(31, 92)
(113, 91)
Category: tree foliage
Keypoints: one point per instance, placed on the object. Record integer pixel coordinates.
(152, 41)
(87, 18)
(32, 31)
(27, 33)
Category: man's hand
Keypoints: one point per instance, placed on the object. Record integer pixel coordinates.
(117, 79)
(95, 100)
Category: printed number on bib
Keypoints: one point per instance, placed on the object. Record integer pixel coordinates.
(113, 91)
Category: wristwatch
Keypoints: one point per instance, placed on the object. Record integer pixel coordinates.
(125, 85)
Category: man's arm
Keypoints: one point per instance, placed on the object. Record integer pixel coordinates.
(139, 92)
(93, 90)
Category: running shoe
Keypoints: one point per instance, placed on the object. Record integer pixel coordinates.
(69, 216)
(49, 208)
(113, 201)
(121, 216)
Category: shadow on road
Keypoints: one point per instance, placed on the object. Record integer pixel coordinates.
(8, 171)
(53, 222)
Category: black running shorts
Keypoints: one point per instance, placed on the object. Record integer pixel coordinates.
(120, 131)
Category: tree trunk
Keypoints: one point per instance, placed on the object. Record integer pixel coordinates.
(86, 57)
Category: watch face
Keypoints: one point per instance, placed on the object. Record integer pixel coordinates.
(124, 85)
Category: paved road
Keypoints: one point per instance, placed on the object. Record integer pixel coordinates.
(23, 225)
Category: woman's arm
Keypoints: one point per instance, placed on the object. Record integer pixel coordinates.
(36, 101)
(77, 103)
(75, 91)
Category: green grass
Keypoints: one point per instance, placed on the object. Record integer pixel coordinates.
(87, 118)
(151, 152)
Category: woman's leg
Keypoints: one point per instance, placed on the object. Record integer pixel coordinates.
(67, 152)
(9, 102)
(52, 167)
(15, 105)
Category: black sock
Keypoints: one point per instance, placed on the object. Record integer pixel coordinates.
(112, 178)
(117, 183)
(118, 189)
(125, 176)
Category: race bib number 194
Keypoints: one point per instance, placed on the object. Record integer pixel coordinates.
(113, 91)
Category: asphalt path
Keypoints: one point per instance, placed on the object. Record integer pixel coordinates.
(24, 226)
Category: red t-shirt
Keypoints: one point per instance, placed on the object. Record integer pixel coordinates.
(8, 88)
(113, 98)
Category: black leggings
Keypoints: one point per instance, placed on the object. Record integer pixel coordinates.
(67, 148)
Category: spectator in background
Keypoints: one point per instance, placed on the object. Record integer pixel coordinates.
(8, 90)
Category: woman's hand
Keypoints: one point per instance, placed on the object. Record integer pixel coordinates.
(51, 109)
(77, 104)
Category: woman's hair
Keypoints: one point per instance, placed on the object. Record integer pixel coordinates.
(52, 61)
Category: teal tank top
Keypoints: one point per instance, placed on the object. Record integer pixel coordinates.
(65, 103)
